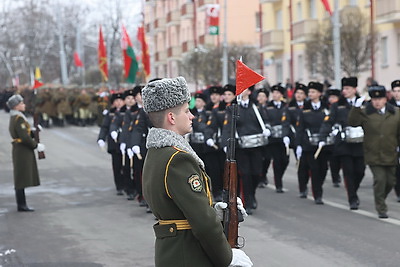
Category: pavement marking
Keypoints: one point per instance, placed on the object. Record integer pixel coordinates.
(346, 207)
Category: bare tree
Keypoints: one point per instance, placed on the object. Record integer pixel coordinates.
(356, 43)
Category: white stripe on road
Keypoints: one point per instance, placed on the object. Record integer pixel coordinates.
(346, 207)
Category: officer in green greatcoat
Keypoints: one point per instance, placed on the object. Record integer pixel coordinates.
(24, 162)
(176, 187)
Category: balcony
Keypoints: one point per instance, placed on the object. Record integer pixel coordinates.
(161, 56)
(269, 1)
(159, 24)
(174, 52)
(187, 46)
(303, 30)
(387, 11)
(173, 17)
(272, 41)
(187, 11)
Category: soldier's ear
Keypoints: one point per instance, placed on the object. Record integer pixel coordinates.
(171, 118)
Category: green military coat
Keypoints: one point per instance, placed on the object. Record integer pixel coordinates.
(176, 188)
(25, 168)
(381, 133)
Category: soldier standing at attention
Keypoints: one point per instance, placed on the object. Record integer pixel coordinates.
(26, 173)
(175, 185)
(381, 124)
(395, 101)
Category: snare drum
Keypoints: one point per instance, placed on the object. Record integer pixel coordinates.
(354, 134)
(197, 138)
(276, 131)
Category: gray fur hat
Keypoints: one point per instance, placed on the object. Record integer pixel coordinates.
(164, 94)
(14, 100)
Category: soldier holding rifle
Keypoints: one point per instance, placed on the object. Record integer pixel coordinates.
(176, 187)
(26, 173)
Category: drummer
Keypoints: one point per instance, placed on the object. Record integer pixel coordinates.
(311, 146)
(348, 140)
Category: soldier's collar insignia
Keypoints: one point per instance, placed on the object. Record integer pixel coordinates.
(195, 183)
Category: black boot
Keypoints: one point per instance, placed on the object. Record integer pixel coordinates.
(21, 200)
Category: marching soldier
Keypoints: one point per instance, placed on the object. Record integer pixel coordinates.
(63, 108)
(395, 101)
(82, 103)
(348, 140)
(276, 117)
(309, 141)
(112, 143)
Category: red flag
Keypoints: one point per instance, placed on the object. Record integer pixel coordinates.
(327, 7)
(102, 54)
(245, 77)
(145, 50)
(77, 60)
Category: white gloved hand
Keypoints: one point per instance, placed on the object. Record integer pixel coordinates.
(130, 153)
(40, 147)
(321, 143)
(219, 209)
(239, 258)
(136, 149)
(299, 151)
(114, 135)
(241, 207)
(210, 142)
(266, 132)
(101, 143)
(40, 127)
(122, 147)
(335, 132)
(359, 102)
(225, 149)
(286, 140)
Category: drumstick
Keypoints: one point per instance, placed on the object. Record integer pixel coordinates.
(123, 159)
(317, 152)
(139, 156)
(215, 147)
(287, 151)
(131, 162)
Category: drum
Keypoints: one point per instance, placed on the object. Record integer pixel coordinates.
(354, 134)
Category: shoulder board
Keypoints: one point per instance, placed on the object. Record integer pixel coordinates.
(341, 107)
(306, 110)
(270, 107)
(292, 108)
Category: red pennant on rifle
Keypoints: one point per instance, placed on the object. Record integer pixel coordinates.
(245, 77)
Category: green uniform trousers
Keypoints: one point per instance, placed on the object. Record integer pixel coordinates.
(384, 181)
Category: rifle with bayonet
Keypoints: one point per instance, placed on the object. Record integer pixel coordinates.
(41, 154)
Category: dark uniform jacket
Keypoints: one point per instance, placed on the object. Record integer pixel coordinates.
(339, 113)
(24, 162)
(140, 125)
(200, 128)
(176, 187)
(104, 134)
(274, 116)
(381, 133)
(294, 115)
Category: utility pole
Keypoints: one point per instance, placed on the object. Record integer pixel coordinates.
(225, 48)
(63, 61)
(336, 45)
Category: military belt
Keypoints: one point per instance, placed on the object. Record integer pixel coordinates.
(180, 224)
(17, 140)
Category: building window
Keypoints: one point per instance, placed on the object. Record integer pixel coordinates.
(313, 9)
(300, 67)
(384, 52)
(258, 21)
(278, 20)
(299, 11)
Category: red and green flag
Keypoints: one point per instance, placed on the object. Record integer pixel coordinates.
(102, 54)
(213, 19)
(145, 50)
(131, 65)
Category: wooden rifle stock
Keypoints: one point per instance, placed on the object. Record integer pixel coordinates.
(41, 154)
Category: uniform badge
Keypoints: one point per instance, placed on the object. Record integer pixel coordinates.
(195, 183)
(326, 118)
(23, 126)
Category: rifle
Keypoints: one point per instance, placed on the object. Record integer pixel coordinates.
(231, 215)
(41, 154)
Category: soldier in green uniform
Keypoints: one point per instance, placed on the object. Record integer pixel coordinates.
(176, 187)
(26, 173)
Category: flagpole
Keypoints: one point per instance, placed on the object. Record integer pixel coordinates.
(336, 44)
(225, 48)
(63, 61)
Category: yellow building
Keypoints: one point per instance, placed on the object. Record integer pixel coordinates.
(278, 48)
(175, 27)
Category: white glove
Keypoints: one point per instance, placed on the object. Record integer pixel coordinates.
(114, 135)
(266, 132)
(210, 142)
(122, 147)
(286, 140)
(239, 258)
(136, 149)
(220, 206)
(101, 143)
(335, 132)
(40, 127)
(359, 102)
(299, 151)
(321, 143)
(40, 147)
(241, 207)
(225, 149)
(130, 153)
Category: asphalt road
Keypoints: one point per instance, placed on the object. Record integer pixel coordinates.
(80, 221)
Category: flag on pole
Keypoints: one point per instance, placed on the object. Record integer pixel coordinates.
(213, 19)
(327, 7)
(131, 65)
(77, 60)
(145, 50)
(245, 77)
(102, 55)
(38, 78)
